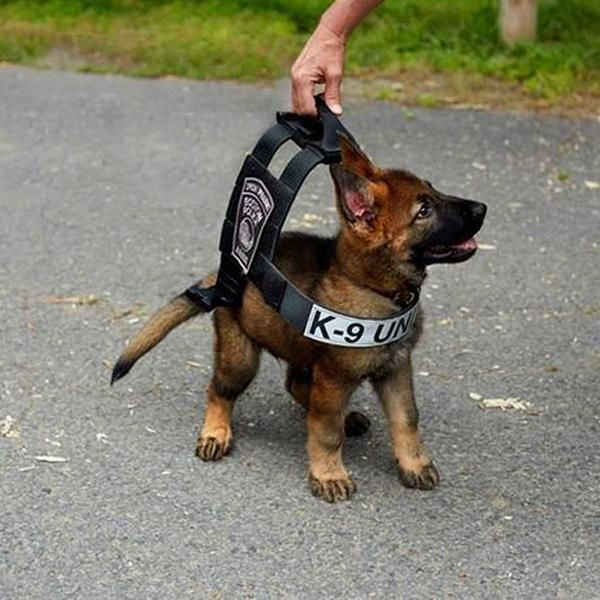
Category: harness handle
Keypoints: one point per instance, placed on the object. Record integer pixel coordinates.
(320, 134)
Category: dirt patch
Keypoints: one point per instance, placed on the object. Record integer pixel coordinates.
(66, 58)
(471, 91)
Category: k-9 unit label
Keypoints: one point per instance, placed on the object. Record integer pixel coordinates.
(254, 207)
(335, 328)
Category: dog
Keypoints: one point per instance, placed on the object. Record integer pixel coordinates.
(392, 226)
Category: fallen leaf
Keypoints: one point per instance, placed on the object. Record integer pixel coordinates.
(505, 404)
(194, 364)
(8, 428)
(137, 310)
(50, 459)
(119, 315)
(78, 300)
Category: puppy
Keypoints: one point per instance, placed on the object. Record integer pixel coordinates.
(392, 226)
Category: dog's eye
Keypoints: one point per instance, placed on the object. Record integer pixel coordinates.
(425, 211)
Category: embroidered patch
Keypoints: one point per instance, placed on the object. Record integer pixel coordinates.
(254, 207)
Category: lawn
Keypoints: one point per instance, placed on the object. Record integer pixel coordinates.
(244, 40)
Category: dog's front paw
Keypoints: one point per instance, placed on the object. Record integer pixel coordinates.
(332, 489)
(423, 478)
(213, 445)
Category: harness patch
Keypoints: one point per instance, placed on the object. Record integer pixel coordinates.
(254, 207)
(338, 329)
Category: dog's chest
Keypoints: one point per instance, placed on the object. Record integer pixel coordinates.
(387, 358)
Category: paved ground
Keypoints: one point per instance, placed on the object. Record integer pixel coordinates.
(115, 188)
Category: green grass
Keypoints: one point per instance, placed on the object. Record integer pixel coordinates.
(250, 40)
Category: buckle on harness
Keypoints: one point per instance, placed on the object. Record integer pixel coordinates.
(206, 298)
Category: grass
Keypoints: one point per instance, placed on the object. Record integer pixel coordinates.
(252, 40)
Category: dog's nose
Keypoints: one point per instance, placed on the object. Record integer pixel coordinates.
(478, 210)
(473, 211)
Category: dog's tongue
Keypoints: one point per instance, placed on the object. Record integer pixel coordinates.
(468, 245)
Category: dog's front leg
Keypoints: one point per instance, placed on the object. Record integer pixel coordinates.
(328, 477)
(395, 390)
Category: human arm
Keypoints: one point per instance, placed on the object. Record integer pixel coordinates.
(322, 58)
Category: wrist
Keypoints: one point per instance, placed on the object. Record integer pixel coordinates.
(333, 29)
(343, 16)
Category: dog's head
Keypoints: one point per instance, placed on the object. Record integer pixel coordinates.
(402, 216)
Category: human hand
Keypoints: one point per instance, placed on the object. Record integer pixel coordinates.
(321, 61)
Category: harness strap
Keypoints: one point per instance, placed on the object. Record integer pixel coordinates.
(292, 178)
(324, 324)
(299, 167)
(270, 141)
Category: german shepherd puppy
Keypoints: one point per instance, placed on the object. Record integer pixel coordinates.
(393, 225)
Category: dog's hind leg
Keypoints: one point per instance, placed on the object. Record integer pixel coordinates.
(236, 360)
(395, 391)
(298, 383)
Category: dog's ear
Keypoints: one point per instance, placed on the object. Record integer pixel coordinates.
(354, 195)
(354, 187)
(354, 158)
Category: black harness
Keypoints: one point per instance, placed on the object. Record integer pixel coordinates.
(257, 210)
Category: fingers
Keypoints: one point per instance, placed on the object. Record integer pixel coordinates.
(321, 61)
(333, 93)
(303, 89)
(303, 102)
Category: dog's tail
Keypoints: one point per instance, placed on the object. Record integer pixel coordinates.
(161, 323)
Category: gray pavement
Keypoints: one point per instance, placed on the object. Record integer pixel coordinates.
(115, 188)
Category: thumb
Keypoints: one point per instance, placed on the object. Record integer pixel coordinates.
(333, 93)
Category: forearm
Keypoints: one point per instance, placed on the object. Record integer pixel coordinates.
(343, 16)
(322, 58)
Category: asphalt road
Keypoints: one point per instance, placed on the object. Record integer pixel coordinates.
(115, 188)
